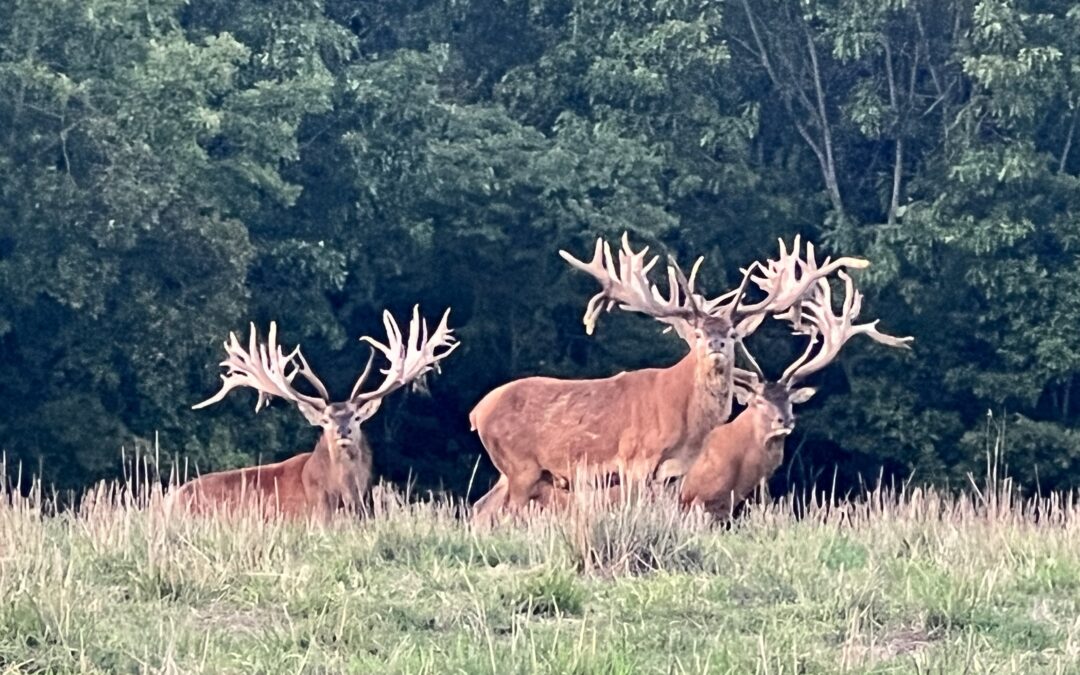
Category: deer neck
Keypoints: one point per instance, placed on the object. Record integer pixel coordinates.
(710, 400)
(324, 473)
(759, 426)
(701, 396)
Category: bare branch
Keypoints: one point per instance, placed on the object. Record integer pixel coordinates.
(1068, 145)
(831, 180)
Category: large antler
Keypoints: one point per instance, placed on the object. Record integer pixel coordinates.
(833, 329)
(628, 286)
(410, 356)
(264, 369)
(789, 278)
(785, 281)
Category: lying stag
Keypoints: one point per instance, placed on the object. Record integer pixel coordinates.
(740, 455)
(338, 471)
(641, 425)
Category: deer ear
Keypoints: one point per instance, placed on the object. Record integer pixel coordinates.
(743, 395)
(368, 409)
(312, 414)
(802, 395)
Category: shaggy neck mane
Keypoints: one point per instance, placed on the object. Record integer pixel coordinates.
(708, 399)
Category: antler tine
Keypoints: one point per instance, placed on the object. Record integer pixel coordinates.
(684, 284)
(745, 377)
(714, 306)
(410, 356)
(601, 268)
(693, 272)
(264, 369)
(853, 305)
(835, 329)
(789, 375)
(305, 371)
(363, 376)
(751, 359)
(628, 285)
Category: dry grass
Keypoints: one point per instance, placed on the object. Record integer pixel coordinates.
(904, 580)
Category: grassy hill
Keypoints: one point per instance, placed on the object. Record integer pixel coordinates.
(906, 581)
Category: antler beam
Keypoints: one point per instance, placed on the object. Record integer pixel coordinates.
(410, 356)
(264, 368)
(628, 285)
(834, 329)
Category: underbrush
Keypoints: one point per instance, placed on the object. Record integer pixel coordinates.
(899, 580)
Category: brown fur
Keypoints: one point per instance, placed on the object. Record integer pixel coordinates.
(338, 471)
(736, 459)
(740, 455)
(311, 483)
(644, 424)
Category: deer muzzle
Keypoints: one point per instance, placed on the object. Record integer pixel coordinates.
(719, 359)
(780, 432)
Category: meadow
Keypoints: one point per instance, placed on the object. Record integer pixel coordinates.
(899, 580)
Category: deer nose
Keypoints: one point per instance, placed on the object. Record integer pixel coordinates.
(718, 345)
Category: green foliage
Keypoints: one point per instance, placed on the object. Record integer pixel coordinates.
(550, 593)
(172, 170)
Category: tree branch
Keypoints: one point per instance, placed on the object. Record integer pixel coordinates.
(823, 150)
(1068, 145)
(929, 56)
(831, 182)
(898, 132)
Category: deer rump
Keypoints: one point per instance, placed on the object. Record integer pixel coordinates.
(636, 424)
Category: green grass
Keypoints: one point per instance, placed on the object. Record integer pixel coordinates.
(897, 583)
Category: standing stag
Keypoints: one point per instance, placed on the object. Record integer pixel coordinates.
(338, 471)
(739, 455)
(645, 424)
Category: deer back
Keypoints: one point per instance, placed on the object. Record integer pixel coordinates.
(269, 488)
(624, 422)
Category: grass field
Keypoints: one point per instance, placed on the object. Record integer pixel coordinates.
(906, 581)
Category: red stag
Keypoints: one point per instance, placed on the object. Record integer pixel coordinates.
(645, 424)
(739, 455)
(338, 471)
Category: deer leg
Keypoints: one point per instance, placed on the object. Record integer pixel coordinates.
(487, 507)
(523, 487)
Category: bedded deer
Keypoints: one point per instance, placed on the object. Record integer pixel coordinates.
(338, 471)
(642, 425)
(740, 455)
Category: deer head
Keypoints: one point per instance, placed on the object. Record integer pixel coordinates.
(771, 403)
(815, 317)
(270, 372)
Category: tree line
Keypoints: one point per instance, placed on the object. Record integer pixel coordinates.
(173, 169)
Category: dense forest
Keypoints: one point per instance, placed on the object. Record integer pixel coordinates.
(173, 169)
